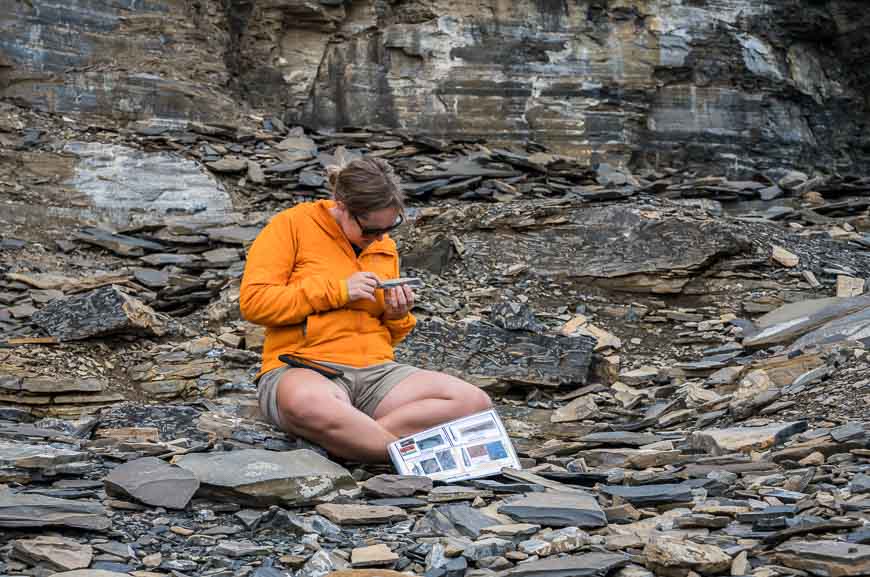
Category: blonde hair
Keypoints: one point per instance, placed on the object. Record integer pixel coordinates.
(366, 185)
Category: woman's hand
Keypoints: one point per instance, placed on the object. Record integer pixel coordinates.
(398, 302)
(362, 285)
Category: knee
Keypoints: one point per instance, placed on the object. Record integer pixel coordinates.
(306, 409)
(476, 400)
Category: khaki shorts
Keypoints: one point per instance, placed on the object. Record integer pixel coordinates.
(366, 387)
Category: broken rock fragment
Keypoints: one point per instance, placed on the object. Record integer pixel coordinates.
(643, 495)
(745, 439)
(59, 553)
(361, 514)
(589, 565)
(99, 312)
(259, 477)
(554, 509)
(153, 482)
(396, 485)
(372, 556)
(826, 558)
(18, 510)
(678, 558)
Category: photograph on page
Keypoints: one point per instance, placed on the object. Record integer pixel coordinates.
(429, 442)
(447, 460)
(476, 429)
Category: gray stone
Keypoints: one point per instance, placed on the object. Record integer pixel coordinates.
(810, 377)
(589, 565)
(745, 439)
(118, 243)
(228, 164)
(639, 376)
(27, 456)
(724, 376)
(20, 511)
(767, 514)
(790, 312)
(241, 235)
(122, 178)
(437, 563)
(513, 316)
(770, 192)
(644, 495)
(801, 324)
(448, 493)
(152, 481)
(151, 278)
(826, 558)
(260, 477)
(120, 550)
(102, 311)
(848, 432)
(621, 438)
(221, 256)
(320, 564)
(465, 520)
(487, 547)
(165, 259)
(853, 327)
(90, 573)
(236, 549)
(860, 483)
(554, 509)
(396, 485)
(489, 349)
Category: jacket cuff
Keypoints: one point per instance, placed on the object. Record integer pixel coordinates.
(345, 293)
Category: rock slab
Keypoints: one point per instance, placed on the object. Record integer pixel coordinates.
(361, 514)
(745, 439)
(56, 552)
(103, 311)
(259, 477)
(18, 511)
(589, 565)
(152, 481)
(557, 510)
(826, 558)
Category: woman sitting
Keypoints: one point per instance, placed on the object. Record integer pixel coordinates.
(312, 279)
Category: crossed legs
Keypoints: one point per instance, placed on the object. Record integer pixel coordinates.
(317, 409)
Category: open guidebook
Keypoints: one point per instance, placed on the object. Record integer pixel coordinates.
(467, 448)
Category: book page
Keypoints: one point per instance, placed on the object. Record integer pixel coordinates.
(467, 448)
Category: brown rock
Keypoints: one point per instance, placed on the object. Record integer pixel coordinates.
(56, 552)
(678, 558)
(361, 514)
(848, 286)
(373, 556)
(784, 257)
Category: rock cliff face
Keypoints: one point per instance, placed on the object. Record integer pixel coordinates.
(737, 84)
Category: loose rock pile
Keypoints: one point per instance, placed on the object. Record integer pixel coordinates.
(679, 359)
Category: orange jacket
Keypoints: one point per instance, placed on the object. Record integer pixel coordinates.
(295, 285)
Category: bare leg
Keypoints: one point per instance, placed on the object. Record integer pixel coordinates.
(317, 409)
(426, 399)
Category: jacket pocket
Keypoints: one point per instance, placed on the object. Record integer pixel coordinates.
(326, 327)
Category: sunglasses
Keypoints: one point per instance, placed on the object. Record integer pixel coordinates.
(370, 232)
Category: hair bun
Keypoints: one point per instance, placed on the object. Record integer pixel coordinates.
(333, 172)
